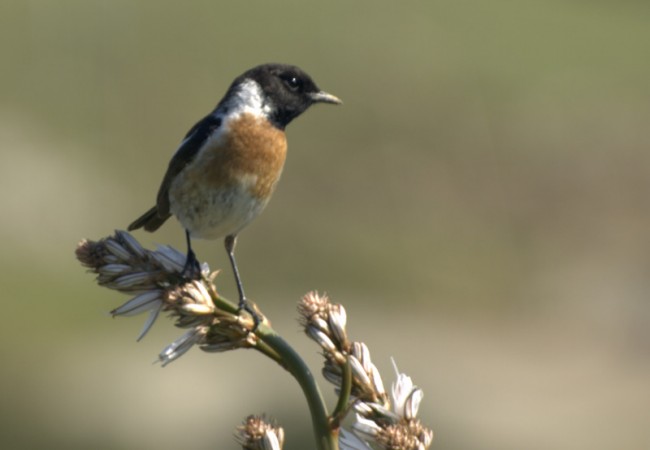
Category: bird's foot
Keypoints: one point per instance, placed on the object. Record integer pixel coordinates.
(192, 268)
(245, 305)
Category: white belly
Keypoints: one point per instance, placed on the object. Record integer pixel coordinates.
(212, 213)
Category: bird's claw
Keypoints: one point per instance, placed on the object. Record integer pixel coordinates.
(245, 305)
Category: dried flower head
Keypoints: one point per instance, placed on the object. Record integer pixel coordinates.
(395, 427)
(256, 433)
(389, 423)
(410, 435)
(325, 323)
(155, 279)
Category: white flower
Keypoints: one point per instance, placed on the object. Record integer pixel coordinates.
(406, 396)
(366, 428)
(392, 425)
(181, 345)
(170, 258)
(270, 441)
(337, 321)
(140, 303)
(151, 319)
(350, 441)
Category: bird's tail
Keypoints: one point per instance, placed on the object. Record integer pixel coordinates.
(150, 220)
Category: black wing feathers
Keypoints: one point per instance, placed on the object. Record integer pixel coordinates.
(194, 140)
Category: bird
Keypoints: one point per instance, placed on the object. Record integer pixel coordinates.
(226, 168)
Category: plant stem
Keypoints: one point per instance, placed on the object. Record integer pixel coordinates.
(326, 438)
(276, 348)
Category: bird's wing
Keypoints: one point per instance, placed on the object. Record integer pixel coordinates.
(187, 151)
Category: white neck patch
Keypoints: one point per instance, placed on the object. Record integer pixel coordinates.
(249, 99)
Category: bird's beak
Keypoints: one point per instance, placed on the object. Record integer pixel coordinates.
(324, 97)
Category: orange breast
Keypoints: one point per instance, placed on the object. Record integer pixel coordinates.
(253, 149)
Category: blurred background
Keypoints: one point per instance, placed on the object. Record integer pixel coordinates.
(479, 204)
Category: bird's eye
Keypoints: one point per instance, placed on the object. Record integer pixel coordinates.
(293, 83)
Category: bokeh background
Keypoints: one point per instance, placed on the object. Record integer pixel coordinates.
(479, 204)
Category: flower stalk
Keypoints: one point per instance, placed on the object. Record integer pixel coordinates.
(212, 322)
(389, 423)
(154, 280)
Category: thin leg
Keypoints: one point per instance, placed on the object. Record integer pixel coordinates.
(192, 268)
(230, 242)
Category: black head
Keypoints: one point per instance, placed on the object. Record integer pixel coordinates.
(287, 91)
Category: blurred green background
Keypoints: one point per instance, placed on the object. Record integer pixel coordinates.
(479, 204)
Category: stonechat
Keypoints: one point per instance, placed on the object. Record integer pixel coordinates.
(226, 168)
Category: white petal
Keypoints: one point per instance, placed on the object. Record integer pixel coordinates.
(181, 345)
(111, 259)
(359, 372)
(365, 428)
(413, 403)
(427, 438)
(203, 296)
(337, 320)
(139, 304)
(400, 391)
(270, 441)
(319, 323)
(115, 248)
(362, 408)
(151, 319)
(131, 242)
(350, 441)
(197, 309)
(386, 414)
(377, 382)
(170, 258)
(362, 352)
(321, 338)
(131, 280)
(114, 269)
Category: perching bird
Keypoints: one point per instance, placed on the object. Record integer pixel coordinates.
(225, 170)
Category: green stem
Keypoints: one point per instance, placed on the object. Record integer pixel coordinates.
(265, 349)
(219, 301)
(326, 438)
(272, 345)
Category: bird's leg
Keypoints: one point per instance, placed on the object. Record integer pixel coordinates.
(244, 304)
(192, 268)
